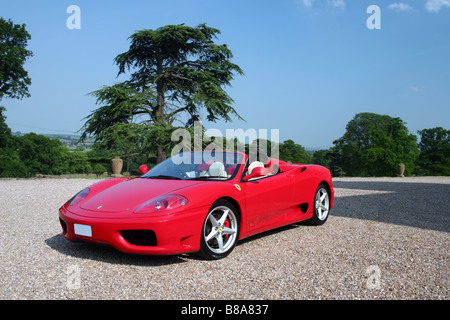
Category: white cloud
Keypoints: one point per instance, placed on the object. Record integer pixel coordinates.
(330, 3)
(436, 5)
(307, 3)
(400, 6)
(337, 3)
(414, 88)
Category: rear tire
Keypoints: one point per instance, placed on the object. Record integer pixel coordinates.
(321, 206)
(220, 231)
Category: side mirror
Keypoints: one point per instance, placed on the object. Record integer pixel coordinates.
(143, 168)
(257, 172)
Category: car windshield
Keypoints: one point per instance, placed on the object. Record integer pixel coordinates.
(198, 166)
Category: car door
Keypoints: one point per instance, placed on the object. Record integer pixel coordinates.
(267, 201)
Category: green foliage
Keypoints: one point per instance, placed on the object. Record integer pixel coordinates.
(175, 70)
(99, 169)
(336, 162)
(127, 140)
(5, 131)
(185, 68)
(32, 154)
(119, 104)
(321, 158)
(11, 165)
(14, 80)
(434, 157)
(374, 145)
(123, 138)
(294, 153)
(42, 155)
(78, 162)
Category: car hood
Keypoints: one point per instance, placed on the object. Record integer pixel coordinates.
(128, 195)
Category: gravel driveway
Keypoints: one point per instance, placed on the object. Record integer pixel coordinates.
(386, 238)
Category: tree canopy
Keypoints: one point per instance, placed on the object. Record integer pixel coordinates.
(292, 152)
(374, 145)
(434, 146)
(14, 79)
(175, 71)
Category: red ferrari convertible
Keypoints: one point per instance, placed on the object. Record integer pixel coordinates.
(198, 202)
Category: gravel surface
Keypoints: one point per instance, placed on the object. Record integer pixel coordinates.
(386, 238)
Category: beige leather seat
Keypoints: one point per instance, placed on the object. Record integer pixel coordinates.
(217, 169)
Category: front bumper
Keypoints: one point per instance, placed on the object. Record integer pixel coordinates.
(172, 234)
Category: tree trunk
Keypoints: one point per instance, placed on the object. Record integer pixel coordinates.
(159, 115)
(160, 155)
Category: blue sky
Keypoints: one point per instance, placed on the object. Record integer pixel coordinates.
(310, 65)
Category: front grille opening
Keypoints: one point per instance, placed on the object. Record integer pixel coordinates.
(139, 237)
(63, 225)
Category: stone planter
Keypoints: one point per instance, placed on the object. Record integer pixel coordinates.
(401, 170)
(116, 165)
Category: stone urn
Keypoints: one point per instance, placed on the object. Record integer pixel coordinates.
(116, 165)
(401, 170)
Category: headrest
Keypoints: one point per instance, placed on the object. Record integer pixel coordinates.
(254, 164)
(217, 169)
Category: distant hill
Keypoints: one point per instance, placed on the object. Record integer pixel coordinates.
(68, 140)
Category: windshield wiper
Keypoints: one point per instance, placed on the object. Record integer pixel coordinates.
(161, 176)
(207, 177)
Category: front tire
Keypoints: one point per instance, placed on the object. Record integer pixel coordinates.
(220, 231)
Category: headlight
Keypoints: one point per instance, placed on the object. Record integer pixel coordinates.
(78, 197)
(168, 202)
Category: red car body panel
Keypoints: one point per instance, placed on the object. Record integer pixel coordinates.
(263, 204)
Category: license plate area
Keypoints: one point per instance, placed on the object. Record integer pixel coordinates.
(82, 230)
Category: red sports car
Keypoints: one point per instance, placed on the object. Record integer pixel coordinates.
(198, 202)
